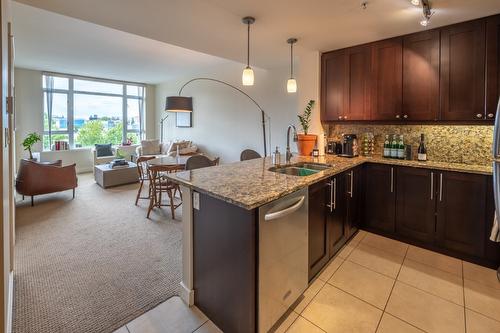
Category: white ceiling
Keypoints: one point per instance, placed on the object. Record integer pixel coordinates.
(52, 42)
(214, 26)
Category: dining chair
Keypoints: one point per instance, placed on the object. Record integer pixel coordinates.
(159, 185)
(249, 154)
(200, 161)
(142, 170)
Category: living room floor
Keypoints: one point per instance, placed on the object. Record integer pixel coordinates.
(93, 263)
(374, 284)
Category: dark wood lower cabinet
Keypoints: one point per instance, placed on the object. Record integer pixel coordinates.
(337, 215)
(415, 203)
(319, 197)
(380, 197)
(354, 195)
(461, 212)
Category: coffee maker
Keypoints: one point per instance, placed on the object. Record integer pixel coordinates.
(349, 145)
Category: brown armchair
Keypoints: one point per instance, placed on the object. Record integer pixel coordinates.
(36, 178)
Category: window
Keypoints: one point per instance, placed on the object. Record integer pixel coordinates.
(84, 111)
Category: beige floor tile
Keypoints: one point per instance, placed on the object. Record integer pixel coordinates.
(336, 311)
(359, 236)
(313, 289)
(208, 327)
(482, 299)
(122, 329)
(481, 274)
(361, 282)
(346, 251)
(435, 281)
(386, 244)
(391, 324)
(477, 323)
(380, 261)
(287, 322)
(436, 260)
(330, 268)
(425, 311)
(170, 316)
(303, 326)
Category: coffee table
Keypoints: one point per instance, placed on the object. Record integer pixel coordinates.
(106, 176)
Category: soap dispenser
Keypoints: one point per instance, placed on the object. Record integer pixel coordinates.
(277, 157)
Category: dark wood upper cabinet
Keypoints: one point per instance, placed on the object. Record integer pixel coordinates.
(492, 65)
(463, 71)
(415, 203)
(358, 83)
(421, 76)
(387, 79)
(461, 212)
(380, 197)
(333, 85)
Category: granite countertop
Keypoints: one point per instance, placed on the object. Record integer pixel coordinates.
(249, 184)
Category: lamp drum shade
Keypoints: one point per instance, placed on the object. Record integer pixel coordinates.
(179, 104)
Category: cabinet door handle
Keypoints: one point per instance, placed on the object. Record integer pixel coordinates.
(331, 205)
(340, 117)
(440, 187)
(392, 180)
(398, 116)
(345, 117)
(490, 115)
(432, 186)
(479, 115)
(351, 175)
(405, 116)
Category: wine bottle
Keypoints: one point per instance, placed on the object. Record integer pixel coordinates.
(422, 151)
(387, 147)
(394, 146)
(401, 148)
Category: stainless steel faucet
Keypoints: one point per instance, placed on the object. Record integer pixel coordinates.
(289, 155)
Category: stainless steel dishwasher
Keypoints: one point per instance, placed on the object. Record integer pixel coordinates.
(283, 256)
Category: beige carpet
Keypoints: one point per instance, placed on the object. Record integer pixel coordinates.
(94, 263)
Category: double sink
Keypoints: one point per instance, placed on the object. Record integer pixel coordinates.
(300, 169)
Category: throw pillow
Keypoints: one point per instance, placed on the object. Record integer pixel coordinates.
(180, 144)
(150, 147)
(103, 150)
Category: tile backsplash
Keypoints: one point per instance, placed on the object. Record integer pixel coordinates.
(469, 144)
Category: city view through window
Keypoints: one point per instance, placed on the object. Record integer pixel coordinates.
(84, 112)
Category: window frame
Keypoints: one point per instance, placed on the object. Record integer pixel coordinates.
(70, 92)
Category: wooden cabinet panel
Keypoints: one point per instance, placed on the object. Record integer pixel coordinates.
(461, 212)
(380, 197)
(492, 65)
(333, 85)
(337, 216)
(386, 85)
(463, 71)
(319, 196)
(421, 76)
(354, 196)
(415, 203)
(358, 83)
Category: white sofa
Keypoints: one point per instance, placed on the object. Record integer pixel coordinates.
(157, 149)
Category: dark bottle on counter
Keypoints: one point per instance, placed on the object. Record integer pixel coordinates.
(401, 148)
(394, 146)
(387, 147)
(422, 151)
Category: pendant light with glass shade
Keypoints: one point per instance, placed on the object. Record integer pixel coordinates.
(291, 84)
(247, 78)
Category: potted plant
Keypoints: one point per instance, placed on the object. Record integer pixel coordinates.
(29, 141)
(306, 142)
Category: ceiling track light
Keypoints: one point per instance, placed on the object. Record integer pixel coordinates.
(426, 13)
(247, 77)
(291, 84)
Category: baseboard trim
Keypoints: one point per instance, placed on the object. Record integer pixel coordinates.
(187, 295)
(10, 303)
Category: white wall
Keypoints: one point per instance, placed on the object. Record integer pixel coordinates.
(29, 118)
(225, 122)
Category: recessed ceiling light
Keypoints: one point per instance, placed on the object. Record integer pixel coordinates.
(415, 2)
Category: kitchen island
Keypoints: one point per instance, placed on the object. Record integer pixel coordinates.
(221, 223)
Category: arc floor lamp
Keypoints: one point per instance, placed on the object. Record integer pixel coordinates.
(185, 104)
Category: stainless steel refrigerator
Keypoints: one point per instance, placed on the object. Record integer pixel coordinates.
(495, 233)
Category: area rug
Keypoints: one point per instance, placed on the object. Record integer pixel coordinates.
(93, 263)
